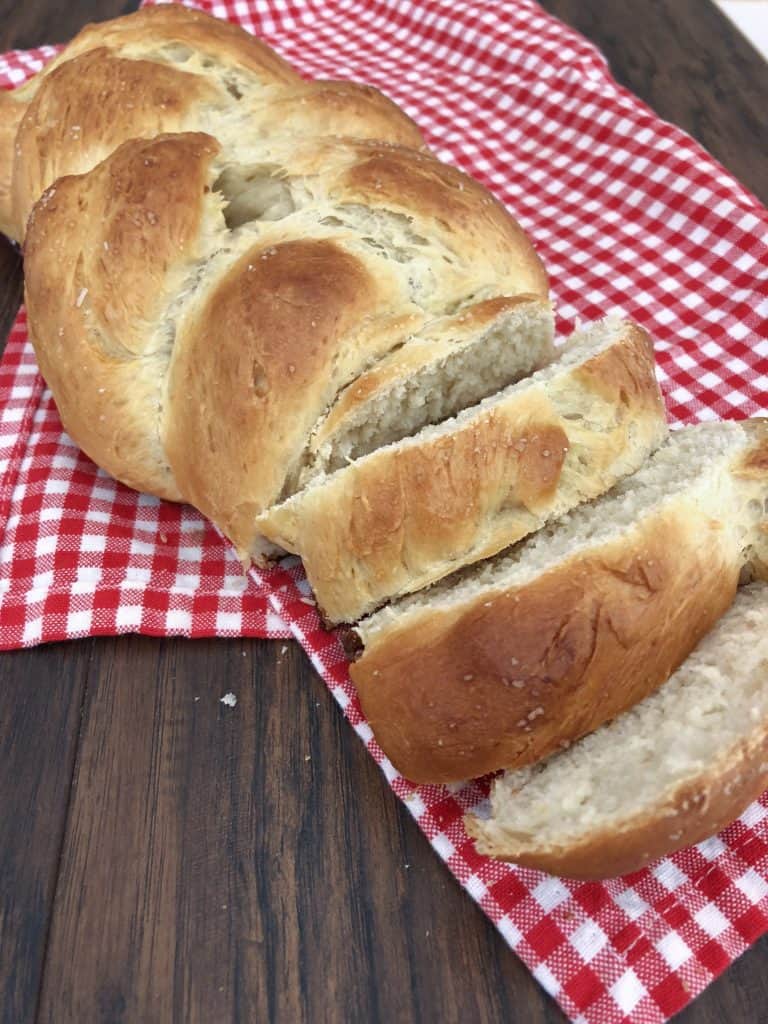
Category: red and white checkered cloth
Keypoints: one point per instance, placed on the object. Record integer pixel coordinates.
(81, 555)
(629, 214)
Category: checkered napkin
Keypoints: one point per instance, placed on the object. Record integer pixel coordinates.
(81, 555)
(629, 214)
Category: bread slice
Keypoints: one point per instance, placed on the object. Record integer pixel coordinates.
(411, 512)
(499, 666)
(672, 771)
(450, 363)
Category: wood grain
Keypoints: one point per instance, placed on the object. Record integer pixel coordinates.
(11, 286)
(40, 697)
(31, 23)
(173, 859)
(247, 863)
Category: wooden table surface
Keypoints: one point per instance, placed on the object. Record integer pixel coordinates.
(163, 858)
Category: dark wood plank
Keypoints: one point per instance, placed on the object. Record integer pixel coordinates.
(208, 871)
(248, 863)
(36, 22)
(11, 285)
(41, 692)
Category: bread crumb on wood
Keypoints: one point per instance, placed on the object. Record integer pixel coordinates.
(229, 699)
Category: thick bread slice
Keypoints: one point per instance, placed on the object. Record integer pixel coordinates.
(496, 669)
(412, 512)
(672, 771)
(450, 363)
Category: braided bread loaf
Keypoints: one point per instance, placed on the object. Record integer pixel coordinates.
(205, 303)
(167, 69)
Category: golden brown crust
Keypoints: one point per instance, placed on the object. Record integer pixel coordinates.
(456, 206)
(261, 347)
(695, 811)
(406, 516)
(503, 679)
(624, 375)
(227, 347)
(11, 113)
(88, 106)
(345, 109)
(166, 69)
(100, 266)
(151, 27)
(254, 367)
(454, 260)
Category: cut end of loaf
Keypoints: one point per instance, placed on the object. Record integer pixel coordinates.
(669, 772)
(450, 364)
(688, 455)
(416, 509)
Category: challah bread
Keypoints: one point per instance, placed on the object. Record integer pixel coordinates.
(197, 307)
(668, 773)
(413, 511)
(167, 69)
(499, 667)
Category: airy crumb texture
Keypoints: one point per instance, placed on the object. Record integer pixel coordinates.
(462, 372)
(692, 460)
(526, 331)
(633, 767)
(416, 510)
